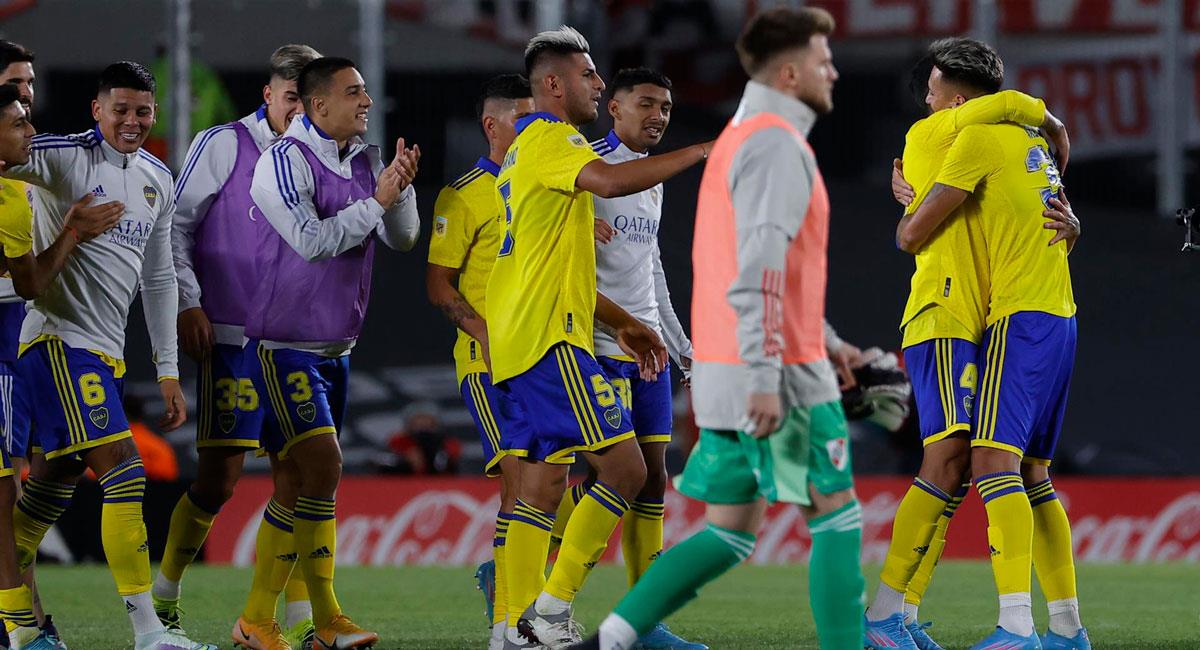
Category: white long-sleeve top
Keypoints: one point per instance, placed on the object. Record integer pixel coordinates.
(629, 268)
(87, 306)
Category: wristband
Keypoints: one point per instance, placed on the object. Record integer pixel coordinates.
(74, 233)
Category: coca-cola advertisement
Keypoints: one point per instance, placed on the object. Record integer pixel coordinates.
(388, 522)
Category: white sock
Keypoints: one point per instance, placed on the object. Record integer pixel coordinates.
(910, 613)
(617, 634)
(498, 631)
(887, 602)
(1016, 613)
(165, 589)
(141, 614)
(301, 610)
(22, 635)
(1064, 617)
(547, 604)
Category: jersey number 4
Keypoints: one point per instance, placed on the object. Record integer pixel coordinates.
(506, 247)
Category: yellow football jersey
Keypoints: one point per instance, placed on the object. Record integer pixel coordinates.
(948, 296)
(16, 219)
(1011, 173)
(543, 286)
(468, 225)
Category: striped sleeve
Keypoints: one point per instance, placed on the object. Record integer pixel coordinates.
(52, 158)
(283, 190)
(209, 163)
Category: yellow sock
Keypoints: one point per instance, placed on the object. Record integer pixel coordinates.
(499, 610)
(274, 562)
(189, 528)
(920, 580)
(525, 554)
(296, 590)
(565, 507)
(122, 530)
(16, 606)
(641, 537)
(316, 548)
(40, 505)
(1010, 530)
(914, 527)
(1053, 554)
(585, 539)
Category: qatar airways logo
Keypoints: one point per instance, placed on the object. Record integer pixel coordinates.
(130, 232)
(637, 230)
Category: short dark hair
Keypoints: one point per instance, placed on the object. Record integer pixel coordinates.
(968, 62)
(563, 41)
(287, 61)
(315, 76)
(126, 74)
(778, 30)
(11, 53)
(627, 78)
(505, 86)
(8, 95)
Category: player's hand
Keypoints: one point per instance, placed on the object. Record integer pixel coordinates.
(845, 359)
(91, 221)
(685, 367)
(176, 407)
(901, 190)
(406, 162)
(1063, 220)
(387, 187)
(1056, 135)
(486, 351)
(195, 333)
(643, 344)
(764, 413)
(604, 231)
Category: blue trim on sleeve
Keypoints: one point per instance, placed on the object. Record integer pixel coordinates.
(190, 165)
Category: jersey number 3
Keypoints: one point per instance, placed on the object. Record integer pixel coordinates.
(506, 247)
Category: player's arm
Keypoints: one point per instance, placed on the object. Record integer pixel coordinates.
(771, 183)
(676, 339)
(32, 275)
(283, 190)
(50, 162)
(915, 229)
(1014, 106)
(160, 302)
(205, 171)
(622, 179)
(634, 337)
(401, 225)
(1063, 221)
(448, 249)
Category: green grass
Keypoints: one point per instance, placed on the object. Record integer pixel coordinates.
(1154, 606)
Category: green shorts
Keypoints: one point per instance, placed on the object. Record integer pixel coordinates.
(730, 467)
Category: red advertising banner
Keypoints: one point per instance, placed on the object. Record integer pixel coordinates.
(406, 521)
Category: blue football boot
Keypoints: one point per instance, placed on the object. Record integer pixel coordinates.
(921, 637)
(887, 634)
(485, 581)
(661, 638)
(1052, 641)
(1002, 639)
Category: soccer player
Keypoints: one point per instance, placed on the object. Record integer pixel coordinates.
(31, 275)
(214, 237)
(629, 271)
(73, 338)
(327, 195)
(942, 325)
(541, 339)
(765, 392)
(468, 226)
(1025, 363)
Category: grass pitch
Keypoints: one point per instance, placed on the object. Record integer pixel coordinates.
(1149, 606)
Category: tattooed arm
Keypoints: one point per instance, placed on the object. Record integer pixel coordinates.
(440, 283)
(915, 229)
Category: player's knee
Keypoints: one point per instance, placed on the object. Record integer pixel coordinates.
(1032, 474)
(627, 479)
(823, 504)
(655, 485)
(985, 460)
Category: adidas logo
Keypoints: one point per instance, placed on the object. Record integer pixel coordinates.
(144, 548)
(654, 555)
(188, 551)
(98, 192)
(993, 550)
(320, 554)
(921, 550)
(130, 607)
(288, 557)
(589, 565)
